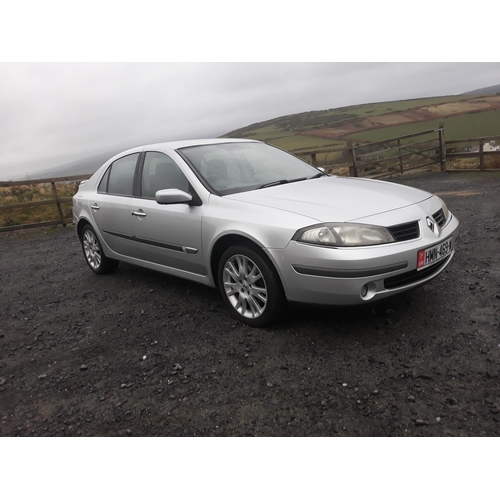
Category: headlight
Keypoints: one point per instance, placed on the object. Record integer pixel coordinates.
(338, 234)
(445, 209)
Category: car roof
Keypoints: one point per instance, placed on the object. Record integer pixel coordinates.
(194, 142)
(168, 147)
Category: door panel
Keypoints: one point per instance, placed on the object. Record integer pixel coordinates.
(114, 221)
(171, 235)
(112, 206)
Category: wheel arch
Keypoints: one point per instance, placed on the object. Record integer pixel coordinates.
(232, 239)
(80, 225)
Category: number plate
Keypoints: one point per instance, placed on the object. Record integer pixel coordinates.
(434, 254)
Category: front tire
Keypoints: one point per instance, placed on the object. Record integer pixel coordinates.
(92, 251)
(250, 286)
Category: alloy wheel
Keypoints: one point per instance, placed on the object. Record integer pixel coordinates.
(245, 286)
(92, 250)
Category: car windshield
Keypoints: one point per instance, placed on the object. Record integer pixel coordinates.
(244, 166)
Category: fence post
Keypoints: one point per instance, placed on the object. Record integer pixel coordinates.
(313, 159)
(481, 154)
(400, 158)
(56, 198)
(442, 147)
(353, 169)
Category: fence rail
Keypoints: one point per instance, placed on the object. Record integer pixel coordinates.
(313, 153)
(405, 154)
(376, 160)
(484, 149)
(399, 154)
(55, 200)
(401, 151)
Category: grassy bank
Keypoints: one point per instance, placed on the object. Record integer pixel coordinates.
(30, 193)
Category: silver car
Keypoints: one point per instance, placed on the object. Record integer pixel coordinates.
(261, 225)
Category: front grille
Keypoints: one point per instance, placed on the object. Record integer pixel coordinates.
(405, 232)
(439, 217)
(413, 276)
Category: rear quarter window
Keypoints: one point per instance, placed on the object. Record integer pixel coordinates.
(103, 185)
(121, 175)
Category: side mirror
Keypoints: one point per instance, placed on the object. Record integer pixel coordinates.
(321, 169)
(172, 196)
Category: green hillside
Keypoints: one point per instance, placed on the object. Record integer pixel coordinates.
(481, 124)
(464, 116)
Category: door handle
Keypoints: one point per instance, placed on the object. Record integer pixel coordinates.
(139, 213)
(95, 206)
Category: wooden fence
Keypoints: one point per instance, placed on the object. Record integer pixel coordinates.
(374, 160)
(388, 157)
(55, 200)
(484, 148)
(410, 152)
(399, 154)
(312, 157)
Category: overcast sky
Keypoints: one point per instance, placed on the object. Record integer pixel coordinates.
(54, 113)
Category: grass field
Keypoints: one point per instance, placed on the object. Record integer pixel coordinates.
(380, 108)
(295, 142)
(459, 127)
(265, 133)
(34, 192)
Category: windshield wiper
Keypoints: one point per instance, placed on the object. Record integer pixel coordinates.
(320, 174)
(274, 183)
(281, 181)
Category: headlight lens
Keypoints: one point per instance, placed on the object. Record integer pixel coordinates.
(344, 235)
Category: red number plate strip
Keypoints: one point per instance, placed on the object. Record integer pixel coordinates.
(434, 254)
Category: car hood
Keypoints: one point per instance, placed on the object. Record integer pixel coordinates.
(335, 199)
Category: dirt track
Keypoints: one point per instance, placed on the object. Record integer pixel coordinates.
(140, 353)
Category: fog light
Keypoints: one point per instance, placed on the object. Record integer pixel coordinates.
(368, 291)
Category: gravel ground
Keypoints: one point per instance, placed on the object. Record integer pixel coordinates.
(138, 353)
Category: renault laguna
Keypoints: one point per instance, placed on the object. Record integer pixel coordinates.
(261, 225)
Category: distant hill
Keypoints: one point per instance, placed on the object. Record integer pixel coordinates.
(83, 166)
(89, 164)
(484, 91)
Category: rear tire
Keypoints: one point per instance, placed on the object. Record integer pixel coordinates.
(250, 286)
(93, 253)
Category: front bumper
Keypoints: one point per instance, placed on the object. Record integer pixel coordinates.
(323, 275)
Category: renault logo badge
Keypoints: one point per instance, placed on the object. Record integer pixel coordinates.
(432, 226)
